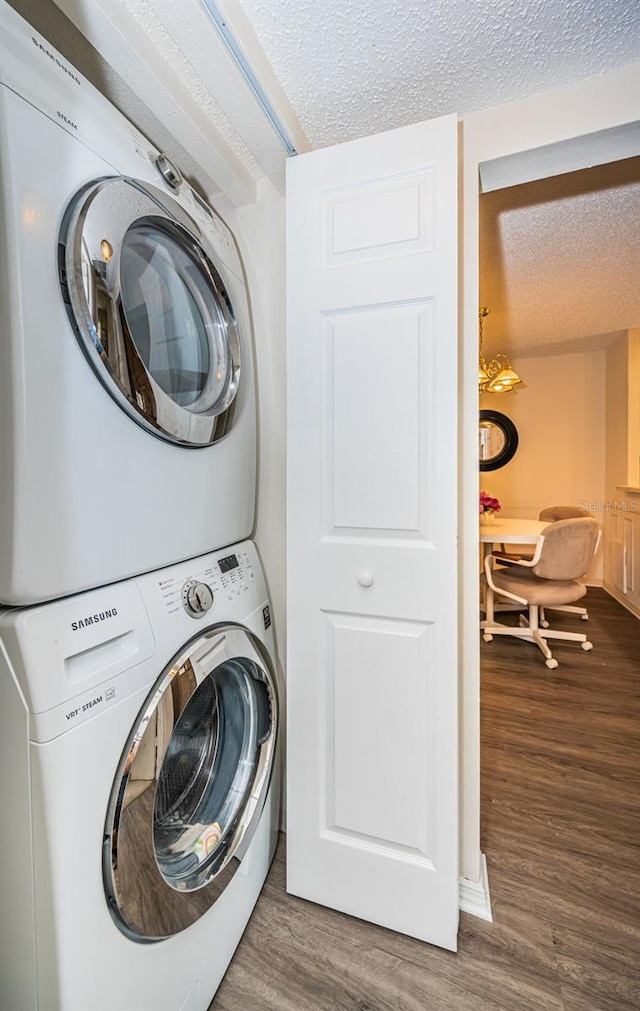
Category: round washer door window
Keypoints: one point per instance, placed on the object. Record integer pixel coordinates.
(151, 310)
(191, 785)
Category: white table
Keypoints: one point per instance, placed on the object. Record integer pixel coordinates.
(511, 531)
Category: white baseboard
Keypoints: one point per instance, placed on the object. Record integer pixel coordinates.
(474, 895)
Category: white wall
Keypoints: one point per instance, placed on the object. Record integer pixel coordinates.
(559, 413)
(260, 231)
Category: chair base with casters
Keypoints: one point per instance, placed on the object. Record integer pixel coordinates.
(568, 609)
(530, 629)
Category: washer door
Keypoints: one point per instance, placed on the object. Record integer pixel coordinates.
(191, 785)
(150, 309)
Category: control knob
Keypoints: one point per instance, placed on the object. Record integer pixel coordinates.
(197, 598)
(169, 172)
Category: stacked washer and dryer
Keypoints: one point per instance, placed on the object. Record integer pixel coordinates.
(138, 693)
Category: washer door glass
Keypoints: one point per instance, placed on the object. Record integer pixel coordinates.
(191, 785)
(150, 309)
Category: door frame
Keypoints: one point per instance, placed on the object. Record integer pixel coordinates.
(541, 135)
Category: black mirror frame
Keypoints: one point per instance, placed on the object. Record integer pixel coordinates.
(510, 440)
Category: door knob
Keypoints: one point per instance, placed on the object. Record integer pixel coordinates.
(365, 579)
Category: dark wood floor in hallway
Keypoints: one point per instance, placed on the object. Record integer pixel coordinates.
(561, 831)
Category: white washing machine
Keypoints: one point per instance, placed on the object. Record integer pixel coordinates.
(127, 405)
(140, 786)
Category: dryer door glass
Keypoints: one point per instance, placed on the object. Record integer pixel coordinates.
(191, 786)
(174, 318)
(149, 304)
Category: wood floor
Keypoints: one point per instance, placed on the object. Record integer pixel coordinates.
(561, 831)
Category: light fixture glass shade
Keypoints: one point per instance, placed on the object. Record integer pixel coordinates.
(504, 381)
(509, 376)
(495, 386)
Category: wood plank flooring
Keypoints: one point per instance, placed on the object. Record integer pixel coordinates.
(561, 831)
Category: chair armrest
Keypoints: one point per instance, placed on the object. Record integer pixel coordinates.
(527, 563)
(523, 563)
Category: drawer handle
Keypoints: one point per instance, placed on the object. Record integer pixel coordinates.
(365, 579)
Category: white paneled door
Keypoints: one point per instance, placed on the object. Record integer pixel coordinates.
(372, 587)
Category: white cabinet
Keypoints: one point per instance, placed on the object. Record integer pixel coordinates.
(622, 554)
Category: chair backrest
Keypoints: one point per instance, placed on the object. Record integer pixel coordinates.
(553, 513)
(568, 549)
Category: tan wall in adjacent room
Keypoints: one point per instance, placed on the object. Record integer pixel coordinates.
(559, 413)
(617, 414)
(623, 413)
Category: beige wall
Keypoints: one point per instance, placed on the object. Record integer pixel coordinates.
(633, 444)
(617, 413)
(559, 413)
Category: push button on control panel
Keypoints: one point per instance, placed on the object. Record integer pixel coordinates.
(197, 598)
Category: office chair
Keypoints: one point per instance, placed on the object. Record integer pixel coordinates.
(552, 514)
(550, 579)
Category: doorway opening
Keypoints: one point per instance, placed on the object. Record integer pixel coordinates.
(559, 261)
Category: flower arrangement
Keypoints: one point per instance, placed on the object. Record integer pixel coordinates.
(488, 504)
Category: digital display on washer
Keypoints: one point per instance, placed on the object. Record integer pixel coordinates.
(228, 563)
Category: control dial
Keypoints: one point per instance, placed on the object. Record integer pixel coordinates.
(197, 598)
(171, 175)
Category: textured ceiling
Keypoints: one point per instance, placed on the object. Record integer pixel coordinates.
(560, 261)
(356, 67)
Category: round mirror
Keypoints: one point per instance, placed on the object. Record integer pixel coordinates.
(497, 440)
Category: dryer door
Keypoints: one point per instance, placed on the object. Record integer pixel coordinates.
(151, 310)
(191, 785)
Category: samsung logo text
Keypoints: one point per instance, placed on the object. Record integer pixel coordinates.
(93, 619)
(52, 56)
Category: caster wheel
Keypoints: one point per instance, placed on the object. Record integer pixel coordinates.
(544, 624)
(487, 637)
(587, 646)
(551, 663)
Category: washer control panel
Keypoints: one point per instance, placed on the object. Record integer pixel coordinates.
(197, 598)
(218, 579)
(236, 574)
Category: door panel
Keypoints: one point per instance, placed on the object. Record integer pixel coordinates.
(372, 663)
(363, 794)
(359, 492)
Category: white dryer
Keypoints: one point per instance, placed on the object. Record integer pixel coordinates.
(127, 404)
(140, 786)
